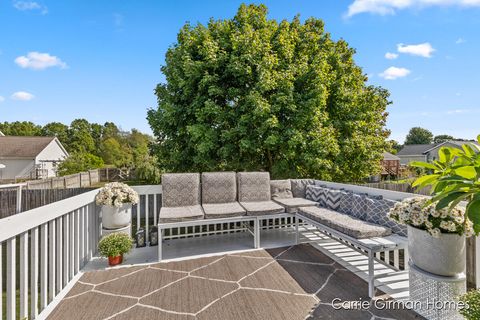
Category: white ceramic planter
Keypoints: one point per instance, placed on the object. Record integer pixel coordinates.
(444, 256)
(114, 218)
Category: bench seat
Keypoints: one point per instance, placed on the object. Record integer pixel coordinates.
(343, 223)
(257, 208)
(223, 210)
(179, 214)
(292, 204)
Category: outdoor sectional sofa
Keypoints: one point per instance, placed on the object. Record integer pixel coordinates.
(359, 220)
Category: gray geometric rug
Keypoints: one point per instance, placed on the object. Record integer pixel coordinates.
(289, 283)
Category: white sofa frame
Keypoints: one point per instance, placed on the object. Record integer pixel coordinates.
(371, 246)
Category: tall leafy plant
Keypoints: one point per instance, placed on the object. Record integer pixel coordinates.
(455, 177)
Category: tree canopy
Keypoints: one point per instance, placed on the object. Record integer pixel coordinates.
(418, 135)
(442, 138)
(251, 93)
(91, 145)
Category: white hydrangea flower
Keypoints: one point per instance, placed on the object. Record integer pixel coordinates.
(116, 194)
(435, 232)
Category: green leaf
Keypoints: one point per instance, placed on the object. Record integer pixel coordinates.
(467, 172)
(468, 150)
(478, 138)
(448, 199)
(425, 180)
(426, 165)
(445, 155)
(473, 213)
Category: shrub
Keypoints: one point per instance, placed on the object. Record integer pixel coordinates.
(472, 301)
(115, 244)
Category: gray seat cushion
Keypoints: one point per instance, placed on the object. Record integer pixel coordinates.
(179, 214)
(219, 187)
(223, 210)
(299, 187)
(344, 223)
(253, 186)
(292, 204)
(259, 208)
(180, 189)
(281, 189)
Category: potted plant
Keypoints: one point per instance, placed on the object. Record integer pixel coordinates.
(114, 246)
(471, 300)
(116, 199)
(436, 238)
(455, 177)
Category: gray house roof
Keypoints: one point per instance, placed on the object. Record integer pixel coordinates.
(421, 149)
(23, 147)
(416, 149)
(389, 156)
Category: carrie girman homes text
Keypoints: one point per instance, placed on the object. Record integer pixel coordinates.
(389, 304)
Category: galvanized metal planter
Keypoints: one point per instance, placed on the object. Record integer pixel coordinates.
(115, 218)
(444, 256)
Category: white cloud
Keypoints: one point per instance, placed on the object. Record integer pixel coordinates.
(423, 49)
(22, 96)
(30, 6)
(460, 41)
(391, 56)
(39, 61)
(458, 111)
(118, 21)
(393, 73)
(2, 99)
(386, 7)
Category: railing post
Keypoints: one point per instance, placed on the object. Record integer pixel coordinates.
(11, 277)
(18, 208)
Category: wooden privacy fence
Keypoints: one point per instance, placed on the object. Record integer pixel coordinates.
(78, 180)
(31, 199)
(400, 187)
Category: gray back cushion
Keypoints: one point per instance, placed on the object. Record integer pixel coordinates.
(219, 187)
(299, 187)
(377, 212)
(253, 186)
(281, 189)
(180, 189)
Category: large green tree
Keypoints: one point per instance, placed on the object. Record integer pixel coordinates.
(418, 135)
(20, 128)
(251, 93)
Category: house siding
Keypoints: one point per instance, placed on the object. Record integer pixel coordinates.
(15, 168)
(52, 153)
(406, 159)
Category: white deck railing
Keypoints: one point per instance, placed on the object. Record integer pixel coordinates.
(45, 248)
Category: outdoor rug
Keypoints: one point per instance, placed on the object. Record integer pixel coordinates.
(290, 283)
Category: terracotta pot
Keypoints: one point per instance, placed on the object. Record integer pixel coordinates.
(113, 261)
(115, 218)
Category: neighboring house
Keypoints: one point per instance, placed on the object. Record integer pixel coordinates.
(390, 165)
(426, 152)
(30, 157)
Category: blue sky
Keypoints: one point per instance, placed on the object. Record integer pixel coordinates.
(100, 60)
